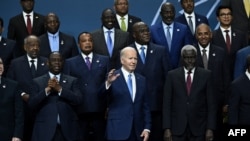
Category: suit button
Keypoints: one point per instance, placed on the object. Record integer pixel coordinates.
(85, 84)
(187, 103)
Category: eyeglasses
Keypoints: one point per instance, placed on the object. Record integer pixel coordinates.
(225, 14)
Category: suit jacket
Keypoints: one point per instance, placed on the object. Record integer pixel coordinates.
(100, 46)
(181, 36)
(240, 65)
(48, 108)
(155, 69)
(198, 20)
(17, 30)
(197, 111)
(11, 121)
(67, 45)
(20, 71)
(124, 114)
(91, 80)
(7, 48)
(131, 21)
(239, 102)
(237, 42)
(219, 68)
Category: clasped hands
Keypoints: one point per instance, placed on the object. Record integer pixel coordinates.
(53, 85)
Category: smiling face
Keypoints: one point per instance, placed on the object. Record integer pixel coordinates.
(129, 59)
(85, 43)
(225, 17)
(203, 35)
(121, 7)
(32, 46)
(141, 33)
(108, 18)
(55, 63)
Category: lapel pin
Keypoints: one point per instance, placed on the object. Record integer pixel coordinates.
(97, 61)
(42, 64)
(36, 17)
(213, 54)
(234, 34)
(199, 20)
(4, 86)
(64, 81)
(4, 44)
(151, 51)
(130, 20)
(178, 29)
(62, 42)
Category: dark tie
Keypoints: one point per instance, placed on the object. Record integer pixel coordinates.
(228, 42)
(29, 28)
(109, 43)
(130, 85)
(169, 37)
(189, 82)
(88, 63)
(190, 23)
(204, 58)
(142, 54)
(33, 68)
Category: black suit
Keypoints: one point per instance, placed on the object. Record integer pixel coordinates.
(67, 45)
(11, 110)
(17, 30)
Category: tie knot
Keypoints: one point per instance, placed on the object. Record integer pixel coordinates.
(189, 72)
(122, 18)
(204, 50)
(87, 58)
(109, 31)
(28, 16)
(129, 75)
(142, 48)
(168, 27)
(32, 61)
(226, 31)
(189, 17)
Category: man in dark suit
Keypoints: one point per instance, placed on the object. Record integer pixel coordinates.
(215, 62)
(128, 117)
(189, 102)
(190, 18)
(19, 27)
(153, 63)
(239, 101)
(11, 109)
(108, 40)
(21, 71)
(7, 47)
(170, 34)
(124, 21)
(55, 40)
(235, 40)
(241, 15)
(91, 69)
(240, 61)
(53, 99)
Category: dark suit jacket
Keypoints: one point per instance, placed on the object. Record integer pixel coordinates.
(181, 36)
(7, 48)
(239, 102)
(11, 110)
(155, 69)
(67, 45)
(124, 114)
(17, 30)
(240, 65)
(198, 110)
(237, 42)
(91, 80)
(131, 21)
(219, 68)
(48, 108)
(198, 20)
(100, 47)
(20, 71)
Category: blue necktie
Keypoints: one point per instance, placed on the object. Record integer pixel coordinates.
(130, 85)
(88, 63)
(109, 43)
(142, 54)
(169, 37)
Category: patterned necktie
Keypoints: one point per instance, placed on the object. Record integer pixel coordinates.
(29, 27)
(88, 63)
(123, 25)
(142, 54)
(130, 85)
(109, 43)
(169, 37)
(204, 58)
(190, 23)
(228, 42)
(189, 82)
(33, 68)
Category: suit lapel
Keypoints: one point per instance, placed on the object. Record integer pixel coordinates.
(123, 82)
(22, 23)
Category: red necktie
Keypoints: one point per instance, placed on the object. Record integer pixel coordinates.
(29, 28)
(189, 83)
(228, 42)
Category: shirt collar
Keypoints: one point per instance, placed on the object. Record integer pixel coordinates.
(119, 17)
(90, 55)
(247, 74)
(138, 46)
(186, 15)
(31, 14)
(223, 29)
(29, 59)
(56, 34)
(105, 29)
(51, 75)
(165, 25)
(125, 72)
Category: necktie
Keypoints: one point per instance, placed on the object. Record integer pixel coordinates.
(88, 63)
(228, 42)
(190, 23)
(130, 85)
(247, 7)
(29, 28)
(169, 37)
(142, 54)
(109, 43)
(123, 25)
(189, 83)
(33, 68)
(204, 58)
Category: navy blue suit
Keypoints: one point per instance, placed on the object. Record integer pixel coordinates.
(67, 45)
(240, 61)
(181, 36)
(125, 115)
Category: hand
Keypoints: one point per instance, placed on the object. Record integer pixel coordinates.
(16, 139)
(145, 135)
(54, 84)
(167, 135)
(112, 76)
(209, 135)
